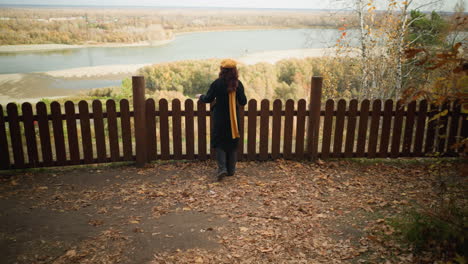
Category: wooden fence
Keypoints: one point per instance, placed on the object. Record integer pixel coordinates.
(166, 131)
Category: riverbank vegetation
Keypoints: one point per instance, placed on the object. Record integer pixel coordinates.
(286, 79)
(70, 26)
(80, 26)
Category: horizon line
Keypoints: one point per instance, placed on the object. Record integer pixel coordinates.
(160, 6)
(189, 7)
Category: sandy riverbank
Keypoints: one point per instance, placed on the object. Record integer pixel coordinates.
(4, 100)
(29, 87)
(277, 55)
(49, 47)
(95, 71)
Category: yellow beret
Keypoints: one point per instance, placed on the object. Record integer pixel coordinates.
(228, 63)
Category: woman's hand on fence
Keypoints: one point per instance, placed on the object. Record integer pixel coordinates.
(198, 96)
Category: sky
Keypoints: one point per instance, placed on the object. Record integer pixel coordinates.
(445, 5)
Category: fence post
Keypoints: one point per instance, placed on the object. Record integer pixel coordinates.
(315, 102)
(139, 108)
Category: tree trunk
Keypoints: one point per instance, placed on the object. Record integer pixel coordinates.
(363, 90)
(400, 50)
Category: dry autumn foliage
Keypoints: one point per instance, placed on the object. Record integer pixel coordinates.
(270, 212)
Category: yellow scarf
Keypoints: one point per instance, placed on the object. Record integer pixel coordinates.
(233, 115)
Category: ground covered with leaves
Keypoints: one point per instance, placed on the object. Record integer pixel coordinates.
(269, 212)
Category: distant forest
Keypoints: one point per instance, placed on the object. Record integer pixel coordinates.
(83, 26)
(50, 26)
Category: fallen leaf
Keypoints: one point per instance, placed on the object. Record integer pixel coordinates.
(137, 230)
(70, 253)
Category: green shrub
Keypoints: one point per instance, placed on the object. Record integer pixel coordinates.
(444, 233)
(106, 92)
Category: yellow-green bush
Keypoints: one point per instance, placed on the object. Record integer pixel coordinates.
(286, 79)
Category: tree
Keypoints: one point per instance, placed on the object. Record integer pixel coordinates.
(285, 91)
(126, 86)
(426, 31)
(383, 38)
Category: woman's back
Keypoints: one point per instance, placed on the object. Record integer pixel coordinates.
(228, 92)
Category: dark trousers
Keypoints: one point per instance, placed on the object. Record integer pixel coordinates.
(226, 160)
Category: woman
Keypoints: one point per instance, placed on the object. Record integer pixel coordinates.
(228, 92)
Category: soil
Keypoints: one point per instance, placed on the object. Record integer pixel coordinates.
(282, 212)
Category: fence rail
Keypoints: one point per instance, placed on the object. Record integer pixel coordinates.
(84, 133)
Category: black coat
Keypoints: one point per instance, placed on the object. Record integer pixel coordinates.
(221, 135)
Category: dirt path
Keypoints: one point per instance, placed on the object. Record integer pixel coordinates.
(281, 212)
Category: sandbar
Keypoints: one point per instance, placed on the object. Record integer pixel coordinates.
(49, 47)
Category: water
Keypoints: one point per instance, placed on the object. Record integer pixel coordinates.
(200, 45)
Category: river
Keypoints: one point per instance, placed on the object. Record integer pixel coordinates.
(200, 45)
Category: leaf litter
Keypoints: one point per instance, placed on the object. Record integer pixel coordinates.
(280, 212)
